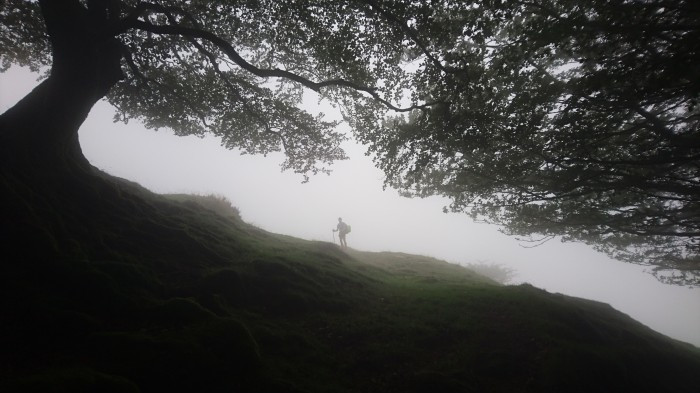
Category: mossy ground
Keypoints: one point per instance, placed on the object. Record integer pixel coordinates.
(108, 287)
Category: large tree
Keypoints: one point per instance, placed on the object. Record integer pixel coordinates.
(549, 117)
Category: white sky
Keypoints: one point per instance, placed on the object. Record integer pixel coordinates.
(381, 220)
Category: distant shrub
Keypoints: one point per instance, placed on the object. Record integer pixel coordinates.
(494, 271)
(218, 204)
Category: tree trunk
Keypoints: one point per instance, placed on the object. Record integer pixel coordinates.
(44, 176)
(40, 133)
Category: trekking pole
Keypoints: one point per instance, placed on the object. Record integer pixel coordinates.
(333, 236)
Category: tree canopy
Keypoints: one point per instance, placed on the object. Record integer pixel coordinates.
(562, 118)
(548, 117)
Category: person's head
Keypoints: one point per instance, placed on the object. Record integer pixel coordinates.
(340, 219)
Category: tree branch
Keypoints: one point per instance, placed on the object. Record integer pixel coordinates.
(411, 34)
(146, 80)
(228, 49)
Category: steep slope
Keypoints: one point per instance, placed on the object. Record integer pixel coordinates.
(108, 287)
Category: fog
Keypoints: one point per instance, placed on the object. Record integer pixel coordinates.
(381, 220)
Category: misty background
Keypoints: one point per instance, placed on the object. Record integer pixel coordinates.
(381, 220)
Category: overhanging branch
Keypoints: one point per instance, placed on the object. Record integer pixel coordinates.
(229, 50)
(412, 35)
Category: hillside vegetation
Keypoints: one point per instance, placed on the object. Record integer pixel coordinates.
(108, 287)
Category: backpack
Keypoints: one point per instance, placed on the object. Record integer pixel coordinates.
(347, 228)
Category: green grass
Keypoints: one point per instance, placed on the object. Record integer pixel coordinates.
(108, 287)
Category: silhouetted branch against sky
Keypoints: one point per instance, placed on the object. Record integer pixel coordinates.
(173, 28)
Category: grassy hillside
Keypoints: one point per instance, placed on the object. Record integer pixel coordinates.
(108, 287)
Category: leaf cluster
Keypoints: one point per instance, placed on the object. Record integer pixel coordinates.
(560, 118)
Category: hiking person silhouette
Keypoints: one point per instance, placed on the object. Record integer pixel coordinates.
(342, 229)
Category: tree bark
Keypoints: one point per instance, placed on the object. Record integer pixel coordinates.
(47, 186)
(40, 133)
